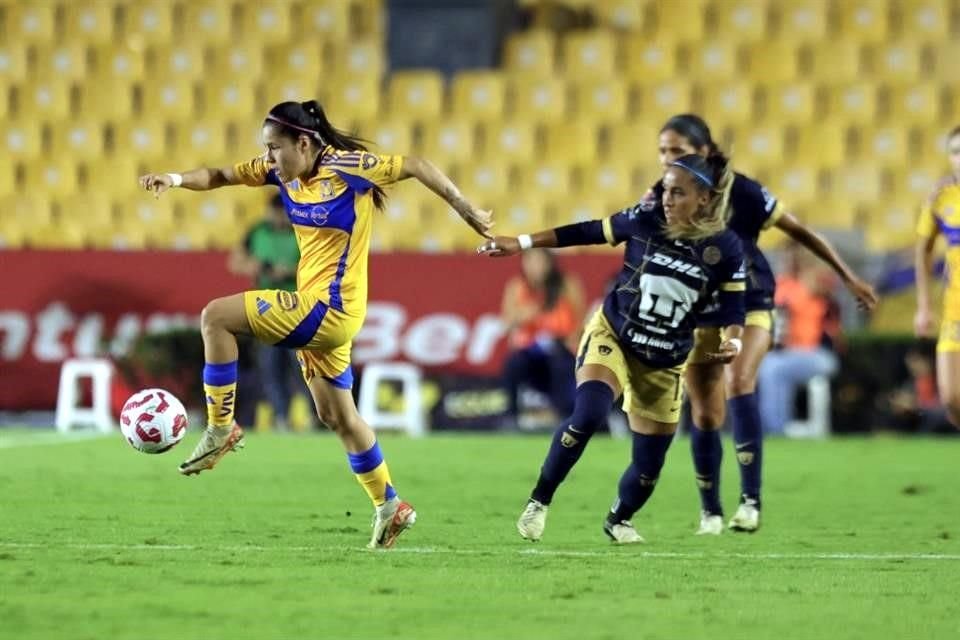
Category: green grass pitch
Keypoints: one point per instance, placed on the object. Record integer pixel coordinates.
(860, 539)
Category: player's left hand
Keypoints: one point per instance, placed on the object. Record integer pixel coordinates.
(479, 220)
(728, 350)
(500, 247)
(864, 293)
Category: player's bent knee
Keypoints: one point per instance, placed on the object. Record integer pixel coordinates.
(740, 383)
(212, 317)
(709, 420)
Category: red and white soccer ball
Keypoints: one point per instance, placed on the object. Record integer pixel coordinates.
(153, 421)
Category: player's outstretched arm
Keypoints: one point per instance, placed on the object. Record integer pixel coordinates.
(570, 235)
(821, 247)
(923, 324)
(431, 177)
(195, 180)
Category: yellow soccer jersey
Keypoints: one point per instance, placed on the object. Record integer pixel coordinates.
(941, 214)
(331, 215)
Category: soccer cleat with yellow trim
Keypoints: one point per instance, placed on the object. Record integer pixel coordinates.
(215, 443)
(533, 520)
(747, 517)
(711, 524)
(391, 519)
(622, 532)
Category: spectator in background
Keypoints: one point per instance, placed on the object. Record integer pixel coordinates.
(915, 405)
(807, 327)
(542, 309)
(269, 255)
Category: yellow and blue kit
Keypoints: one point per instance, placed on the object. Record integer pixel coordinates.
(941, 214)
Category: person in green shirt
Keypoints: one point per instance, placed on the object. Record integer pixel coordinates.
(269, 254)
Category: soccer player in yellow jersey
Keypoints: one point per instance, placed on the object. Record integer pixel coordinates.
(331, 189)
(941, 216)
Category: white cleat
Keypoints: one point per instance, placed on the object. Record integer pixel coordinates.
(747, 517)
(710, 524)
(392, 518)
(622, 532)
(215, 443)
(533, 520)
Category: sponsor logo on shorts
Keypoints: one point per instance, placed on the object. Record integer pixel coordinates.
(287, 300)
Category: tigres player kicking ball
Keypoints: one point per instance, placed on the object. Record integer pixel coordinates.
(678, 254)
(331, 189)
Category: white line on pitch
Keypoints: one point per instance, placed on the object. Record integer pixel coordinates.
(40, 439)
(866, 557)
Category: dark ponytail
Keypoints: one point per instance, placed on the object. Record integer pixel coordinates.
(294, 119)
(697, 132)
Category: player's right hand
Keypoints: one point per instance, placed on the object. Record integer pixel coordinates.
(500, 247)
(923, 325)
(157, 183)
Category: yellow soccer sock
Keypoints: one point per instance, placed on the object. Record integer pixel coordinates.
(220, 389)
(372, 473)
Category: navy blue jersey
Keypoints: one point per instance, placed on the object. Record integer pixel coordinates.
(754, 209)
(665, 284)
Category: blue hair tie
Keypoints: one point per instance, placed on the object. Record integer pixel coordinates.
(699, 176)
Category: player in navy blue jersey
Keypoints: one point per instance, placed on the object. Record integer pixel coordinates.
(711, 386)
(678, 258)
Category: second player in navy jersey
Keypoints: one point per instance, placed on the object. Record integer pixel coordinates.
(677, 256)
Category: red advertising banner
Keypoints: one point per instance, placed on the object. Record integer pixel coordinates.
(438, 311)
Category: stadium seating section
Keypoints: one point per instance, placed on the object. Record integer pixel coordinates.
(839, 105)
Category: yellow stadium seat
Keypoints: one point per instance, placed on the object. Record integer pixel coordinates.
(108, 99)
(393, 136)
(758, 146)
(864, 21)
(149, 22)
(531, 52)
(171, 99)
(215, 208)
(291, 60)
(926, 19)
(510, 141)
(896, 62)
(822, 145)
(524, 214)
(484, 179)
(229, 98)
(917, 104)
(209, 21)
(8, 180)
(832, 210)
(360, 58)
(201, 138)
(540, 99)
(63, 63)
(443, 230)
(21, 140)
(144, 139)
(632, 144)
(91, 21)
(241, 61)
(589, 54)
(58, 234)
(745, 18)
(117, 174)
(714, 61)
(836, 61)
(478, 95)
(793, 103)
(551, 178)
(883, 146)
(267, 22)
(404, 205)
(118, 237)
(31, 22)
(28, 209)
(118, 62)
(858, 184)
(46, 99)
(284, 88)
(356, 97)
(796, 187)
(145, 210)
(803, 20)
(329, 19)
(680, 21)
(13, 61)
(12, 234)
(579, 208)
(626, 15)
(573, 142)
(56, 176)
(92, 209)
(79, 139)
(854, 103)
(450, 140)
(649, 61)
(664, 99)
(177, 62)
(610, 180)
(604, 100)
(916, 181)
(771, 62)
(415, 94)
(5, 94)
(729, 103)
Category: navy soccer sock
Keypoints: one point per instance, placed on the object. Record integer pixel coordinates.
(640, 478)
(707, 452)
(593, 402)
(748, 440)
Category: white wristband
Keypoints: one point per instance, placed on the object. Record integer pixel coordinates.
(526, 241)
(176, 179)
(737, 342)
